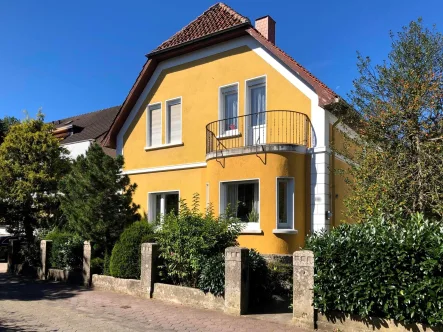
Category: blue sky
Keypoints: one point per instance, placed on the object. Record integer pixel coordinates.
(73, 57)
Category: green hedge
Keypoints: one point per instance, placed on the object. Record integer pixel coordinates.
(126, 255)
(387, 269)
(67, 250)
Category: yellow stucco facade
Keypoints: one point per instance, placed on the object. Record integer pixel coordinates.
(198, 85)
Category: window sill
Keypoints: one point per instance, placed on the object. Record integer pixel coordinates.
(164, 146)
(285, 231)
(251, 231)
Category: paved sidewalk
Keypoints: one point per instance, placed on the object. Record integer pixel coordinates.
(28, 305)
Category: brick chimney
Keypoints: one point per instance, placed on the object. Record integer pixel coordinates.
(266, 26)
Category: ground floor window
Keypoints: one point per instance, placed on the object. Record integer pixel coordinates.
(243, 198)
(285, 203)
(162, 203)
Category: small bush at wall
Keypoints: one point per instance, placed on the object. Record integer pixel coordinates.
(212, 277)
(126, 255)
(67, 250)
(387, 269)
(188, 239)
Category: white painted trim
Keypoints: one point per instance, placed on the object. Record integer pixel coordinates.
(278, 225)
(249, 227)
(164, 168)
(82, 141)
(149, 214)
(163, 146)
(251, 231)
(167, 103)
(284, 231)
(148, 117)
(248, 41)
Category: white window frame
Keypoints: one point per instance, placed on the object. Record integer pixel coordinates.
(172, 101)
(226, 89)
(249, 227)
(148, 124)
(151, 202)
(249, 84)
(290, 198)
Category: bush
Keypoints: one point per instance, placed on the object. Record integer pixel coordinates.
(387, 269)
(126, 256)
(188, 239)
(67, 250)
(212, 277)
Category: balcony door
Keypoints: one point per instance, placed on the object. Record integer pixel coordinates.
(256, 118)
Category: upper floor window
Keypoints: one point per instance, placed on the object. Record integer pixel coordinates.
(229, 110)
(154, 119)
(256, 111)
(174, 121)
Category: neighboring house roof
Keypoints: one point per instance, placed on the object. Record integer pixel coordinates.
(219, 23)
(89, 126)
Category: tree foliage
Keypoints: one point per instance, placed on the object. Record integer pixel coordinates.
(397, 161)
(32, 162)
(97, 198)
(5, 124)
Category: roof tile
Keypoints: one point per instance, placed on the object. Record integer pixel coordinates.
(217, 18)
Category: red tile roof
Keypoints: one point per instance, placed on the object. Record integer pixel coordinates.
(217, 18)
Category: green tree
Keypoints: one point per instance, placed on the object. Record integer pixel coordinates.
(5, 124)
(398, 162)
(97, 198)
(32, 162)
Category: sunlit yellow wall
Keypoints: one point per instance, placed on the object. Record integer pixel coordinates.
(198, 84)
(266, 167)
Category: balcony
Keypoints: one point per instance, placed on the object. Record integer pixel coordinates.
(278, 130)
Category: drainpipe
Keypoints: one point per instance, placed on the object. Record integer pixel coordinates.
(332, 171)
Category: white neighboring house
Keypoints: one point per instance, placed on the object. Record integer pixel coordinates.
(77, 133)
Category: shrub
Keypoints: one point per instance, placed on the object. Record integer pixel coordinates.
(188, 239)
(388, 269)
(67, 250)
(126, 254)
(212, 277)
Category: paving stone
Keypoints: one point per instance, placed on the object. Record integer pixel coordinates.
(30, 305)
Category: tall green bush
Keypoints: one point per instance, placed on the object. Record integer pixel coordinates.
(188, 239)
(126, 255)
(383, 268)
(67, 250)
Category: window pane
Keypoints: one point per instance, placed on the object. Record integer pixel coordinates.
(174, 125)
(258, 105)
(171, 204)
(155, 133)
(231, 111)
(282, 202)
(246, 199)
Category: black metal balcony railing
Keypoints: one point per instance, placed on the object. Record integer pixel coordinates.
(264, 128)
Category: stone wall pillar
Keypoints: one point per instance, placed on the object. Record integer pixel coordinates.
(236, 280)
(148, 268)
(303, 312)
(13, 248)
(45, 249)
(87, 255)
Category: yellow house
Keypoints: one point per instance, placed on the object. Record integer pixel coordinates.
(219, 110)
